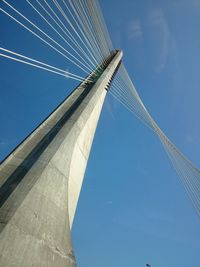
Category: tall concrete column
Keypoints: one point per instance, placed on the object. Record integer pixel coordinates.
(41, 179)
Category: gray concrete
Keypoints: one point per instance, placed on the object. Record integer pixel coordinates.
(41, 181)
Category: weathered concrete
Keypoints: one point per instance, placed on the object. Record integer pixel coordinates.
(41, 180)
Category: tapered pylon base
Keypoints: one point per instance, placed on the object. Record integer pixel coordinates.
(41, 179)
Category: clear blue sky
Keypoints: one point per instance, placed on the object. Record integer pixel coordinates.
(133, 208)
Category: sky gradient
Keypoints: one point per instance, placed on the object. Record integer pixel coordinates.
(133, 209)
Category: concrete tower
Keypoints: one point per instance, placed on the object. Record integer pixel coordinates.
(41, 179)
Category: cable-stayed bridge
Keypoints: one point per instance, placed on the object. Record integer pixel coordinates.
(75, 31)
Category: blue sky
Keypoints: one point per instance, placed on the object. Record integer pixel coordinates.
(133, 208)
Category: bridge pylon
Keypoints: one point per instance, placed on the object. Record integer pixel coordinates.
(41, 179)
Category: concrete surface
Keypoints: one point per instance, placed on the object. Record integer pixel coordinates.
(40, 181)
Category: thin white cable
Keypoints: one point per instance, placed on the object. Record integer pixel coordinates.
(39, 62)
(61, 36)
(67, 33)
(89, 50)
(98, 29)
(21, 24)
(189, 174)
(87, 28)
(40, 67)
(97, 55)
(46, 35)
